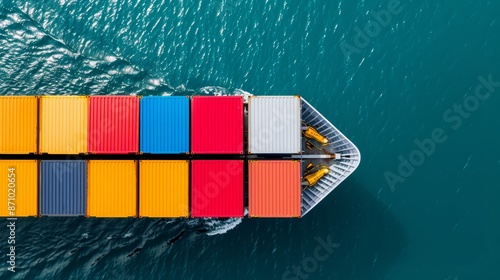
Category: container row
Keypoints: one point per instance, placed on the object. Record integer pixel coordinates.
(150, 124)
(151, 188)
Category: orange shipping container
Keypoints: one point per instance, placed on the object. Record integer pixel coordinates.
(63, 124)
(18, 124)
(20, 188)
(112, 188)
(274, 189)
(164, 188)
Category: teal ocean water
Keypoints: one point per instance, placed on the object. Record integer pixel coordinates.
(414, 84)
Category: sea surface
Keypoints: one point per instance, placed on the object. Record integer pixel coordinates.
(388, 74)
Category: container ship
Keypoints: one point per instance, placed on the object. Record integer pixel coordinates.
(168, 156)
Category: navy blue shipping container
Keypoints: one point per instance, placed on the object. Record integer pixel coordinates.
(63, 187)
(164, 124)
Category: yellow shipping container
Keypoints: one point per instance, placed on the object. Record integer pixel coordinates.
(164, 188)
(19, 195)
(63, 124)
(18, 124)
(112, 188)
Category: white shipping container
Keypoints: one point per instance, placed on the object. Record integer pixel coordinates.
(274, 125)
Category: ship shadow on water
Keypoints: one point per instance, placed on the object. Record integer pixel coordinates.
(371, 238)
(367, 239)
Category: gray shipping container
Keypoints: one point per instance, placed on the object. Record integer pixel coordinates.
(274, 125)
(63, 187)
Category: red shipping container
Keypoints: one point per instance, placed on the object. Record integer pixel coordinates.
(217, 189)
(113, 125)
(274, 189)
(217, 125)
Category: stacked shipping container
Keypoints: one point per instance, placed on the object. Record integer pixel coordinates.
(63, 124)
(274, 189)
(217, 125)
(164, 124)
(274, 125)
(113, 125)
(217, 188)
(164, 188)
(18, 124)
(110, 125)
(112, 188)
(20, 193)
(63, 187)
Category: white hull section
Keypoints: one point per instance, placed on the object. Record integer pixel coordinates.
(340, 169)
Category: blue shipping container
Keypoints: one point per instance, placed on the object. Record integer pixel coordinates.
(164, 127)
(63, 187)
